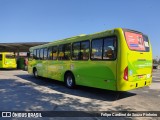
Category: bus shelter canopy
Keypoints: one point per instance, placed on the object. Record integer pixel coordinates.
(18, 47)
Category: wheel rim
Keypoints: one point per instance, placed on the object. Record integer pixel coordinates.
(69, 81)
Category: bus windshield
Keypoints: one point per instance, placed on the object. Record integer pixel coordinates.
(137, 41)
(10, 56)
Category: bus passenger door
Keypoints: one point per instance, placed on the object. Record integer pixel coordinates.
(42, 63)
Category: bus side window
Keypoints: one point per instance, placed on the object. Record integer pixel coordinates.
(85, 50)
(109, 48)
(45, 54)
(54, 52)
(80, 55)
(41, 54)
(116, 48)
(80, 50)
(76, 51)
(49, 54)
(64, 52)
(35, 54)
(61, 52)
(104, 48)
(67, 52)
(96, 53)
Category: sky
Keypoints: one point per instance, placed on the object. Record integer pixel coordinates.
(49, 20)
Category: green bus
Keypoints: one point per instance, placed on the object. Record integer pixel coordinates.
(7, 60)
(118, 59)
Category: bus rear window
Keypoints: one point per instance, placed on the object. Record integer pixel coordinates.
(9, 56)
(137, 41)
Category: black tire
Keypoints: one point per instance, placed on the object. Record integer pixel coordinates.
(69, 80)
(35, 72)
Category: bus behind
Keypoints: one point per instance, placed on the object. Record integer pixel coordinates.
(7, 60)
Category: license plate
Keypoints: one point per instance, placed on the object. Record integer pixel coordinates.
(140, 76)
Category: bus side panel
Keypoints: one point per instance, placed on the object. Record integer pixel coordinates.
(41, 66)
(98, 74)
(53, 70)
(57, 69)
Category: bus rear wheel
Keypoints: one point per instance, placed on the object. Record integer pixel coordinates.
(35, 72)
(69, 80)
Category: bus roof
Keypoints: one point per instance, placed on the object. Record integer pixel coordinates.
(83, 37)
(78, 37)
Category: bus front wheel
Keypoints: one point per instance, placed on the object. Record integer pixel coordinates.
(69, 80)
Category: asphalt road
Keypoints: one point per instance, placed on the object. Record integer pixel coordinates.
(20, 91)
